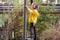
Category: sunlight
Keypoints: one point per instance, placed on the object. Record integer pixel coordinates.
(44, 1)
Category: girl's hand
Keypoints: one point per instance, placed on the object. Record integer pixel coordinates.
(26, 6)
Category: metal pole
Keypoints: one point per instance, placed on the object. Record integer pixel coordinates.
(24, 31)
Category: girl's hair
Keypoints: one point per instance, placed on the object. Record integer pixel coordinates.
(35, 5)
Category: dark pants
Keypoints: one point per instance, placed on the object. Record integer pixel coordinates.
(32, 30)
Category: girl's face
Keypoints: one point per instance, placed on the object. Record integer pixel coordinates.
(33, 6)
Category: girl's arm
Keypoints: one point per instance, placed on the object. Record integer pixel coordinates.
(28, 9)
(37, 13)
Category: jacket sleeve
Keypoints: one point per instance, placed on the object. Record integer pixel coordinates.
(28, 10)
(37, 13)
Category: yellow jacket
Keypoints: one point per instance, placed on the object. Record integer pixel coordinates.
(32, 15)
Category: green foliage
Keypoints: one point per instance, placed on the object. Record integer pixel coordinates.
(46, 18)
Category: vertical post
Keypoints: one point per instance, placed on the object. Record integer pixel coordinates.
(31, 1)
(24, 31)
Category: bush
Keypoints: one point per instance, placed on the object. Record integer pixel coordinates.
(50, 34)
